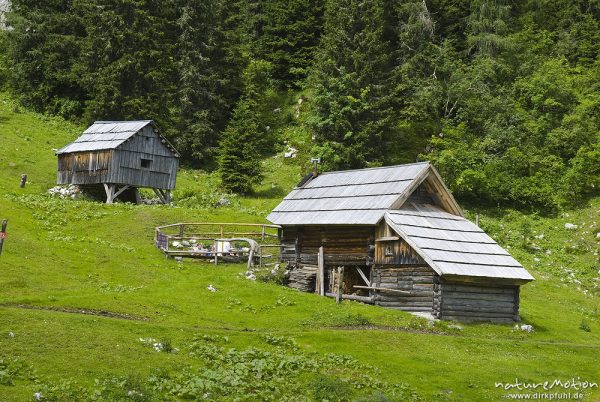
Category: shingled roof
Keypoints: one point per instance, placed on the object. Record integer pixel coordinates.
(352, 197)
(452, 245)
(104, 135)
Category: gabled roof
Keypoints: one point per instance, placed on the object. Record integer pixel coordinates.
(452, 245)
(104, 135)
(355, 197)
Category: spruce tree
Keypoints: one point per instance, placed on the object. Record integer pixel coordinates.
(240, 152)
(201, 107)
(351, 114)
(44, 42)
(290, 37)
(127, 66)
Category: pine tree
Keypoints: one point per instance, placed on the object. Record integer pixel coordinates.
(127, 64)
(351, 114)
(202, 108)
(290, 37)
(240, 153)
(43, 47)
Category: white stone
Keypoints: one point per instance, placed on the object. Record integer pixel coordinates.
(527, 328)
(211, 288)
(570, 226)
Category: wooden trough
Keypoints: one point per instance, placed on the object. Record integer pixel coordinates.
(263, 248)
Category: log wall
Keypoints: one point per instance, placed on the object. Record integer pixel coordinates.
(467, 302)
(343, 245)
(390, 249)
(414, 286)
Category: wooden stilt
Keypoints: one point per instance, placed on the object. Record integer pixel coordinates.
(159, 195)
(168, 196)
(110, 191)
(138, 197)
(115, 195)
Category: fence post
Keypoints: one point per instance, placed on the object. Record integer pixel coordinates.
(181, 230)
(3, 234)
(321, 272)
(338, 297)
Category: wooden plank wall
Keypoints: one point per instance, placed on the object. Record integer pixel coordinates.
(415, 281)
(127, 168)
(343, 245)
(396, 252)
(467, 302)
(84, 167)
(123, 165)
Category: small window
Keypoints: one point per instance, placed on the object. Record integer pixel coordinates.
(388, 251)
(146, 163)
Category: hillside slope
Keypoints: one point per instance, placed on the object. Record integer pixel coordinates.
(86, 301)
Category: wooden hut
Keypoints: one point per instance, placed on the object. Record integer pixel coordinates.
(402, 241)
(120, 155)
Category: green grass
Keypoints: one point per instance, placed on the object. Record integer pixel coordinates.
(252, 340)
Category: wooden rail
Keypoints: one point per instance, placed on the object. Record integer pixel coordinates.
(252, 233)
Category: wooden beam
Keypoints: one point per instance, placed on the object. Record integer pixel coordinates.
(120, 191)
(321, 271)
(363, 276)
(388, 238)
(338, 298)
(364, 299)
(159, 195)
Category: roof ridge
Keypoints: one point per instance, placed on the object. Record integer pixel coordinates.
(121, 121)
(375, 168)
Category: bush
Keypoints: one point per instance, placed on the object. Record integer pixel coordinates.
(330, 389)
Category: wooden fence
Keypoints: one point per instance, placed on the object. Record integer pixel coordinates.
(263, 241)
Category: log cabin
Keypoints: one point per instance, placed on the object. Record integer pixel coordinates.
(120, 156)
(395, 237)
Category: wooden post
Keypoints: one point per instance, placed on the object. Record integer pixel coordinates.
(3, 234)
(262, 233)
(168, 196)
(215, 251)
(259, 256)
(321, 272)
(138, 197)
(251, 258)
(23, 180)
(181, 229)
(338, 296)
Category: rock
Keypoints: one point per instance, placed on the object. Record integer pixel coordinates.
(38, 396)
(598, 235)
(177, 244)
(179, 259)
(455, 326)
(291, 152)
(527, 328)
(570, 226)
(223, 202)
(536, 259)
(277, 110)
(211, 288)
(185, 243)
(540, 236)
(250, 275)
(11, 334)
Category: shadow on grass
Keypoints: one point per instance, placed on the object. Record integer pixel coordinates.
(273, 192)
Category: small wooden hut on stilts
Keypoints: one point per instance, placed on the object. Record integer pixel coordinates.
(121, 156)
(401, 241)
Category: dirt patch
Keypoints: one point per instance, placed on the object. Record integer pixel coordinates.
(76, 310)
